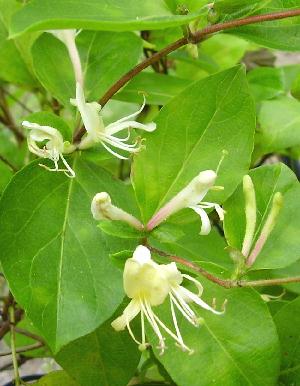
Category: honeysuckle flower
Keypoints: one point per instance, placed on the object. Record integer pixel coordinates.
(54, 147)
(68, 36)
(149, 284)
(97, 132)
(191, 197)
(102, 209)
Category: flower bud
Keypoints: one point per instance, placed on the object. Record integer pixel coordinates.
(102, 209)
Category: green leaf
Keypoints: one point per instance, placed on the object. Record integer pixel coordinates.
(282, 246)
(279, 125)
(158, 88)
(280, 34)
(193, 129)
(105, 57)
(237, 348)
(287, 321)
(119, 229)
(53, 255)
(104, 357)
(56, 378)
(266, 82)
(12, 65)
(233, 9)
(96, 15)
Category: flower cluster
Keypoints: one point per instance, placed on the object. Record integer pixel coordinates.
(148, 284)
(97, 132)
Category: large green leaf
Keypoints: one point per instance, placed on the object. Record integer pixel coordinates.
(266, 82)
(211, 115)
(97, 15)
(279, 125)
(287, 321)
(52, 253)
(105, 57)
(237, 348)
(282, 246)
(104, 357)
(281, 34)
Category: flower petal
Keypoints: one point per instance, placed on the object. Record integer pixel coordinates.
(205, 227)
(130, 312)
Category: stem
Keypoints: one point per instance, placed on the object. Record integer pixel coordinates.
(29, 334)
(21, 350)
(7, 118)
(8, 163)
(195, 38)
(226, 283)
(13, 345)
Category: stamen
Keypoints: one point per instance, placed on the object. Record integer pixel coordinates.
(150, 316)
(131, 332)
(113, 152)
(180, 342)
(187, 309)
(184, 313)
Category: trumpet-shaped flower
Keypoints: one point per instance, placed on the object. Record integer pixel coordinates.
(191, 197)
(102, 209)
(149, 284)
(97, 132)
(54, 146)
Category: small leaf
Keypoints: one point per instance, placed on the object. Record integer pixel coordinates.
(56, 378)
(119, 229)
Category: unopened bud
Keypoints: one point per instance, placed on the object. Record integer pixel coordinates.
(102, 209)
(250, 213)
(267, 228)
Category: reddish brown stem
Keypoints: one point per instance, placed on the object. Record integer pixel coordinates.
(226, 283)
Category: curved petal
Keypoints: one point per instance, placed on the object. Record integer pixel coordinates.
(205, 227)
(130, 312)
(116, 127)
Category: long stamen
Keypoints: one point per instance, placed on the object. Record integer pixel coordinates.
(149, 315)
(184, 313)
(187, 309)
(69, 172)
(182, 344)
(113, 152)
(131, 332)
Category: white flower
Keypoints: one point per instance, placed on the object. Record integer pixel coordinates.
(97, 132)
(191, 197)
(148, 284)
(54, 146)
(68, 36)
(102, 209)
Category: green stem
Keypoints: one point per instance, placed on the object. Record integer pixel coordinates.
(13, 345)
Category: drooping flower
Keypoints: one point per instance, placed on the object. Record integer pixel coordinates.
(191, 197)
(102, 209)
(68, 36)
(97, 132)
(149, 284)
(54, 146)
